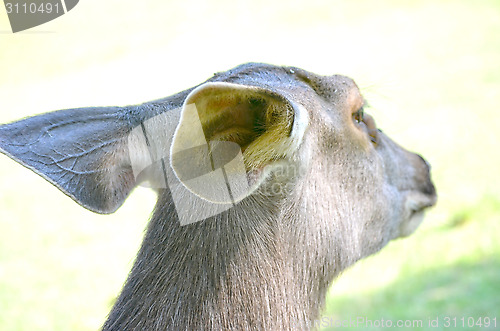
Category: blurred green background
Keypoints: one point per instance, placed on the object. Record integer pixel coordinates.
(430, 70)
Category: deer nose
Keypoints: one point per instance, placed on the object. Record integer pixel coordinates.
(425, 161)
(427, 186)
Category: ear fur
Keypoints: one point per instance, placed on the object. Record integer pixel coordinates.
(96, 156)
(238, 129)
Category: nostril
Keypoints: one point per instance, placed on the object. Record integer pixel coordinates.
(429, 189)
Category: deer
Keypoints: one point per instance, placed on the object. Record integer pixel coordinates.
(271, 180)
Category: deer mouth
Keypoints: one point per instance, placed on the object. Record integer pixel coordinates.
(415, 207)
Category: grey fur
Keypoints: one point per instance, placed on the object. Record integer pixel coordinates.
(267, 263)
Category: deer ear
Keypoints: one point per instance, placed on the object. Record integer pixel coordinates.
(83, 152)
(228, 134)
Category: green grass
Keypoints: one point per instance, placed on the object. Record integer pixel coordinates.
(430, 70)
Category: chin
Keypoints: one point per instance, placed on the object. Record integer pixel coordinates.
(409, 226)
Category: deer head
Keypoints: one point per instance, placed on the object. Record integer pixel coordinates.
(271, 180)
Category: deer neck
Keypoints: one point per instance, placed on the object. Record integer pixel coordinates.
(237, 270)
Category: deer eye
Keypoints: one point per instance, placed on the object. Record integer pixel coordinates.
(359, 116)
